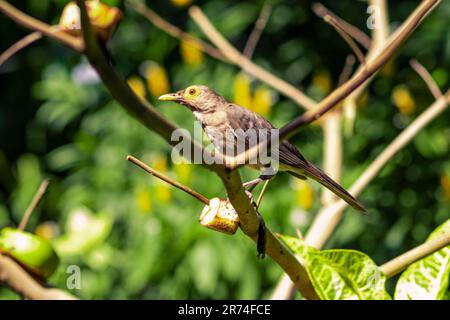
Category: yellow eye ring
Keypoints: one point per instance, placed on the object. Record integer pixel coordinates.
(191, 92)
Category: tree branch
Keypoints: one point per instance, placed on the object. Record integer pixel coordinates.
(344, 35)
(332, 152)
(33, 204)
(380, 34)
(427, 78)
(400, 263)
(320, 10)
(16, 278)
(19, 45)
(257, 31)
(31, 23)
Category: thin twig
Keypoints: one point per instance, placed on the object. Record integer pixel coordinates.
(173, 30)
(344, 35)
(20, 281)
(261, 194)
(350, 29)
(333, 152)
(168, 180)
(396, 265)
(427, 78)
(347, 70)
(33, 204)
(257, 30)
(247, 65)
(19, 45)
(31, 23)
(380, 37)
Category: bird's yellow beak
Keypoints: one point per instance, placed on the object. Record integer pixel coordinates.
(169, 97)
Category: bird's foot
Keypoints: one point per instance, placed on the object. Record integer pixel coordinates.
(261, 242)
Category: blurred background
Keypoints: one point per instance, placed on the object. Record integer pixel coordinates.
(135, 237)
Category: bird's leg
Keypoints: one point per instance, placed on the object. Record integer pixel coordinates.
(250, 185)
(261, 241)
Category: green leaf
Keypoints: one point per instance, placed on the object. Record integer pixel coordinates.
(341, 274)
(84, 231)
(346, 275)
(427, 278)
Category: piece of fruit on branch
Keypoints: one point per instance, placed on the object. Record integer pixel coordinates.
(33, 253)
(104, 19)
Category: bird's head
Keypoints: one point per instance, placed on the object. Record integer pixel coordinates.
(198, 98)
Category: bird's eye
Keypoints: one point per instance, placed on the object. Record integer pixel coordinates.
(191, 93)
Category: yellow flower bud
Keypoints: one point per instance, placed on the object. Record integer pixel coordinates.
(191, 52)
(137, 85)
(322, 80)
(183, 171)
(163, 193)
(445, 183)
(181, 3)
(305, 194)
(47, 230)
(162, 190)
(144, 202)
(402, 99)
(262, 101)
(242, 94)
(157, 80)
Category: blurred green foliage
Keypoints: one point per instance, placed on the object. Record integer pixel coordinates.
(134, 237)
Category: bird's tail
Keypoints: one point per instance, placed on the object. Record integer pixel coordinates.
(311, 171)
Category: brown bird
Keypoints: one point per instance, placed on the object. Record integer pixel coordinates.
(220, 118)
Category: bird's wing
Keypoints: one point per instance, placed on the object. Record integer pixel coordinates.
(245, 119)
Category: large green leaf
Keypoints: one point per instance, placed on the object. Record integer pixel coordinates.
(428, 278)
(346, 275)
(341, 274)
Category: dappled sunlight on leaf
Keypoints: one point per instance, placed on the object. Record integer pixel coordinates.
(402, 99)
